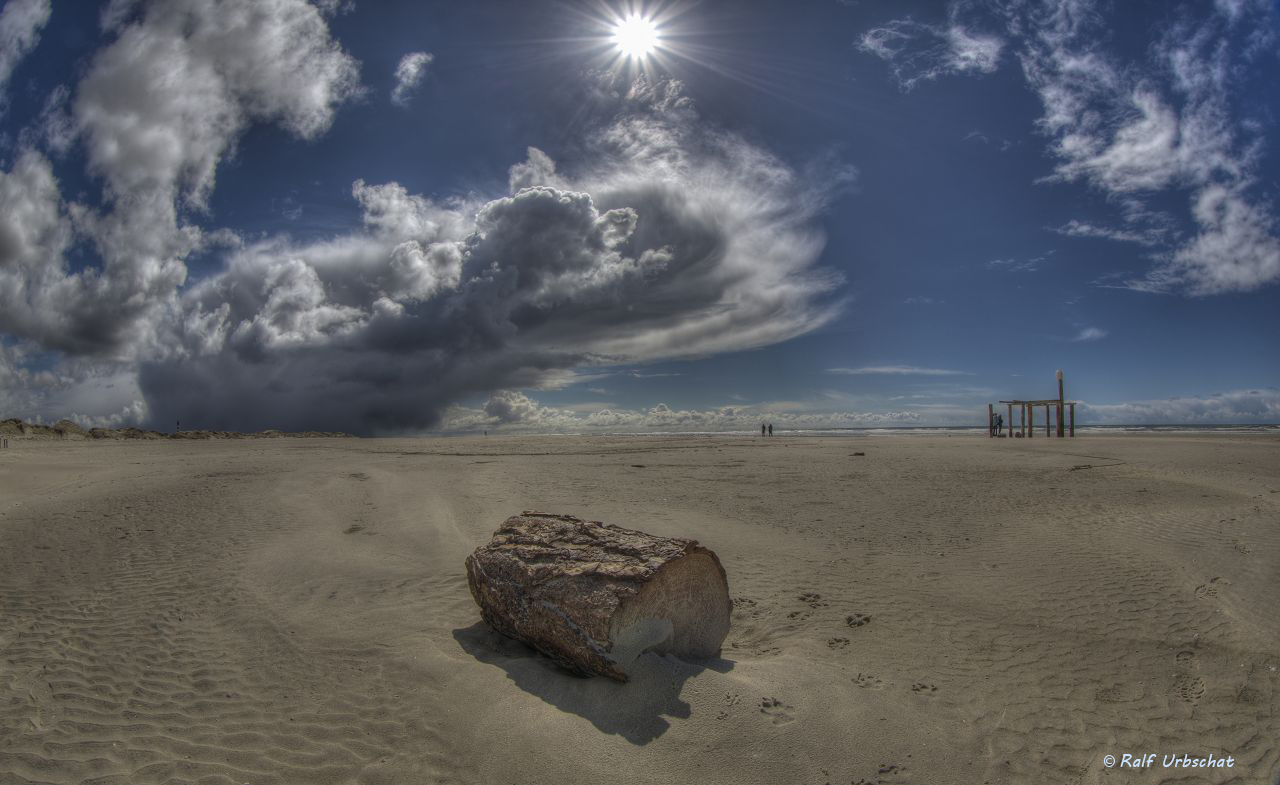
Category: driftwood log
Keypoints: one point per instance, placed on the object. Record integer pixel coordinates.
(593, 597)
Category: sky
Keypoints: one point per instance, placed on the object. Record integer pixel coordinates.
(412, 217)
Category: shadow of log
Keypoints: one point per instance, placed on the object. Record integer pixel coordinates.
(637, 710)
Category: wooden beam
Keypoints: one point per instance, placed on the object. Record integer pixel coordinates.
(1010, 421)
(1061, 399)
(1073, 419)
(991, 421)
(1047, 432)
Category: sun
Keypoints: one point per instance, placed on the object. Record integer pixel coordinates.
(636, 36)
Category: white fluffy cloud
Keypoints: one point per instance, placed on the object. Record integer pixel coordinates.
(1239, 406)
(156, 111)
(409, 73)
(510, 410)
(1136, 130)
(20, 25)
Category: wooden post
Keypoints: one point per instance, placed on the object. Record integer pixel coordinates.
(1073, 420)
(1060, 407)
(1010, 421)
(1022, 425)
(1031, 419)
(1047, 432)
(991, 421)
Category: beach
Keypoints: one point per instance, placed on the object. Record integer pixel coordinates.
(907, 608)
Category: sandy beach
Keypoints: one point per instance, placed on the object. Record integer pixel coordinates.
(939, 609)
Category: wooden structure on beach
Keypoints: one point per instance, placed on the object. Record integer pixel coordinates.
(1026, 427)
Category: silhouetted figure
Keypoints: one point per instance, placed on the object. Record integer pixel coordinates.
(177, 426)
(770, 429)
(762, 429)
(999, 425)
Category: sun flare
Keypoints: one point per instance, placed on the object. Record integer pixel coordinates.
(636, 36)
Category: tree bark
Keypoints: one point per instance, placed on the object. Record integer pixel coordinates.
(593, 597)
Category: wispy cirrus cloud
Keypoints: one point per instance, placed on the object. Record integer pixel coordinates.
(1089, 334)
(1135, 129)
(918, 52)
(895, 370)
(409, 74)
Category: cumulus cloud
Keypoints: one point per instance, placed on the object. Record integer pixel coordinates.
(1137, 130)
(669, 239)
(1238, 406)
(515, 411)
(409, 73)
(20, 25)
(156, 111)
(918, 52)
(895, 370)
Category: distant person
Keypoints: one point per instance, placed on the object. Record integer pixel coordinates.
(770, 429)
(762, 429)
(999, 424)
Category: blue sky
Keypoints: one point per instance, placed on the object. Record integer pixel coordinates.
(401, 217)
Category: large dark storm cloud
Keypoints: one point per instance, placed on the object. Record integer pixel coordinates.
(685, 244)
(660, 237)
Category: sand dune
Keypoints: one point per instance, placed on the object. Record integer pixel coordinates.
(937, 610)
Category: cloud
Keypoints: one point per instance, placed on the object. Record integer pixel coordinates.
(1238, 406)
(156, 111)
(511, 410)
(1020, 265)
(1077, 228)
(20, 25)
(409, 74)
(1134, 130)
(1137, 130)
(918, 52)
(1090, 334)
(669, 239)
(895, 370)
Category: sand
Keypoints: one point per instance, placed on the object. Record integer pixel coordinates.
(938, 610)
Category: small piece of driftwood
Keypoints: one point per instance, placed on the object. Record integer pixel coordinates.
(593, 597)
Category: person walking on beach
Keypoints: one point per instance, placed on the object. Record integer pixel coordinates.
(770, 429)
(762, 429)
(999, 424)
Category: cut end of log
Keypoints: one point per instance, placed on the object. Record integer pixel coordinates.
(594, 597)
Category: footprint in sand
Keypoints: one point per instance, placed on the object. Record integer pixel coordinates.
(813, 599)
(857, 619)
(776, 710)
(837, 643)
(1209, 590)
(868, 682)
(922, 688)
(1187, 659)
(1189, 687)
(799, 615)
(731, 699)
